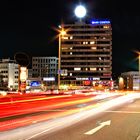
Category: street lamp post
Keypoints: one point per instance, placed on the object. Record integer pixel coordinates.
(61, 34)
(139, 71)
(59, 61)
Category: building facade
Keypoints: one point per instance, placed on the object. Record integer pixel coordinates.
(86, 53)
(46, 68)
(9, 73)
(131, 80)
(30, 73)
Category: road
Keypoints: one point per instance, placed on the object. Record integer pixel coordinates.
(124, 124)
(19, 111)
(116, 118)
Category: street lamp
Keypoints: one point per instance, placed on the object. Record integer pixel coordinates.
(61, 34)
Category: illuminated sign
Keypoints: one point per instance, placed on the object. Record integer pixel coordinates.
(35, 84)
(101, 22)
(90, 78)
(23, 74)
(49, 79)
(81, 78)
(86, 83)
(96, 78)
(23, 86)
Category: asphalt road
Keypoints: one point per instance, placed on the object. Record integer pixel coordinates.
(124, 125)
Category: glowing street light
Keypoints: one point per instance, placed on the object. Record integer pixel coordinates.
(80, 11)
(121, 83)
(61, 34)
(139, 69)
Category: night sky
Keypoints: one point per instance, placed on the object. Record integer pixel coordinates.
(28, 26)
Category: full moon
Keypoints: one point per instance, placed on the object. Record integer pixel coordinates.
(80, 11)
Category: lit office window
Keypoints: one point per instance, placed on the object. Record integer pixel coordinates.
(71, 37)
(64, 48)
(93, 69)
(65, 37)
(77, 68)
(106, 27)
(93, 48)
(92, 42)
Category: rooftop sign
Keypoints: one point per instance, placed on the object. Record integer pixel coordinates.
(101, 22)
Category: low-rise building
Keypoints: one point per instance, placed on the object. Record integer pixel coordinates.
(131, 80)
(9, 73)
(45, 68)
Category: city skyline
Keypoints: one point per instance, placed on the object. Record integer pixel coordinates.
(29, 27)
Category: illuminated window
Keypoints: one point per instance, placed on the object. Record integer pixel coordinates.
(106, 27)
(92, 42)
(70, 53)
(85, 42)
(93, 69)
(71, 37)
(65, 37)
(64, 48)
(77, 68)
(93, 48)
(70, 74)
(86, 69)
(70, 48)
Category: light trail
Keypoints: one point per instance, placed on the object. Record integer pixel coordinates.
(43, 117)
(33, 131)
(31, 108)
(36, 99)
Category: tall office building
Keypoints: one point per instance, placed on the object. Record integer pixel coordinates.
(86, 53)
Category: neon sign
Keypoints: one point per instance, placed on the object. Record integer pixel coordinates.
(101, 22)
(35, 83)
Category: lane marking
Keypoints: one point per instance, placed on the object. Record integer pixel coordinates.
(101, 125)
(125, 112)
(138, 138)
(53, 126)
(37, 134)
